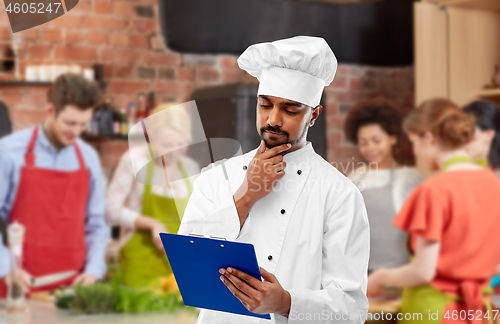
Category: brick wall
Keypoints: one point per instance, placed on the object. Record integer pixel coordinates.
(124, 36)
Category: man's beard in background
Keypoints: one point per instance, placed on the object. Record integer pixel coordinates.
(269, 128)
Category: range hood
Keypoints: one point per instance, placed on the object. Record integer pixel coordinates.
(369, 32)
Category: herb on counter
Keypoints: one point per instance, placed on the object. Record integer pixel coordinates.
(99, 298)
(114, 297)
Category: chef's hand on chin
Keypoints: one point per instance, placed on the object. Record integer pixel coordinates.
(260, 297)
(84, 279)
(264, 171)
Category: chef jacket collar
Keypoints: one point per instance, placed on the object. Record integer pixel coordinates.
(299, 155)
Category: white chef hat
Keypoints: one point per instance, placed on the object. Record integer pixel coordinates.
(296, 68)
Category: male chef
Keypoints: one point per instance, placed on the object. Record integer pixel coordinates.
(307, 222)
(51, 182)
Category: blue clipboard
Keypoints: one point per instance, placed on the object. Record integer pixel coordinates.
(195, 262)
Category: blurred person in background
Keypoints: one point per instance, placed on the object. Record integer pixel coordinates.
(146, 210)
(374, 125)
(52, 184)
(452, 219)
(485, 146)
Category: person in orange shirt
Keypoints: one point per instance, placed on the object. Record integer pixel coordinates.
(452, 221)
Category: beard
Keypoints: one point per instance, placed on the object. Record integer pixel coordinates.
(285, 139)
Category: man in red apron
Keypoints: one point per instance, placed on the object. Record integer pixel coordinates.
(51, 182)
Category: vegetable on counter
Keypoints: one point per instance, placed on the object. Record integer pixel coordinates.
(113, 297)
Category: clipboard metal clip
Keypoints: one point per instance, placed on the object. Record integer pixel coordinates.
(207, 236)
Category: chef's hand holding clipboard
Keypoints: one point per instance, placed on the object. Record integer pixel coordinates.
(260, 297)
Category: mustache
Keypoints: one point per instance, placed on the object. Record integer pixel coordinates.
(272, 129)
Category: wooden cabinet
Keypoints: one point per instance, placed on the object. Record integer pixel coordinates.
(457, 46)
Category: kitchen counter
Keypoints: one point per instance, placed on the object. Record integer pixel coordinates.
(392, 307)
(45, 312)
(42, 312)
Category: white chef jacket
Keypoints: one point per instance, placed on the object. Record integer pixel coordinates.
(311, 232)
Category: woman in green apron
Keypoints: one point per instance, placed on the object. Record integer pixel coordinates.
(452, 220)
(147, 207)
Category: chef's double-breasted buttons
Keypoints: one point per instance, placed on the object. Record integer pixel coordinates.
(299, 172)
(270, 257)
(245, 167)
(282, 211)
